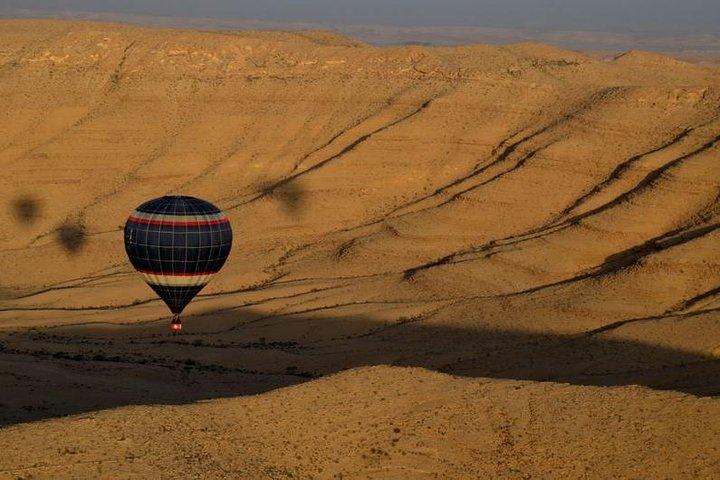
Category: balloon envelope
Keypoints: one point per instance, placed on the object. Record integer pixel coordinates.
(177, 243)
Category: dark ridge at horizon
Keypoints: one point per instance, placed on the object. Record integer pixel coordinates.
(614, 15)
(611, 42)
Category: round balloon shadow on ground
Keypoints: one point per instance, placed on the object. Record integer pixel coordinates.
(292, 198)
(26, 209)
(72, 236)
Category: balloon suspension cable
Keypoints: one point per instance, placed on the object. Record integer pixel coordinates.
(176, 323)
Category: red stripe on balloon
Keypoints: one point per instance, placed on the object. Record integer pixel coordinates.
(221, 221)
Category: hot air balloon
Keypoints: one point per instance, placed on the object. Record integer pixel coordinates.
(177, 243)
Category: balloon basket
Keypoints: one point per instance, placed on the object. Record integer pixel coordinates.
(176, 324)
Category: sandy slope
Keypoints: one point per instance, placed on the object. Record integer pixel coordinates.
(518, 212)
(385, 423)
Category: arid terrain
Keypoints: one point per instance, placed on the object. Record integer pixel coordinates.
(697, 45)
(454, 263)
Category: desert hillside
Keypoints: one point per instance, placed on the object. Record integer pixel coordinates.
(384, 423)
(540, 219)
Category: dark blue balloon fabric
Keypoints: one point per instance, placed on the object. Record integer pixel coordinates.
(177, 243)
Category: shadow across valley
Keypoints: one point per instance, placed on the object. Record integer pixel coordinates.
(71, 370)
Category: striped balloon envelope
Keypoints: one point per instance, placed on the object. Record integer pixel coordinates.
(177, 243)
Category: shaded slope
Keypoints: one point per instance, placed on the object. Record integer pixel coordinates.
(384, 423)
